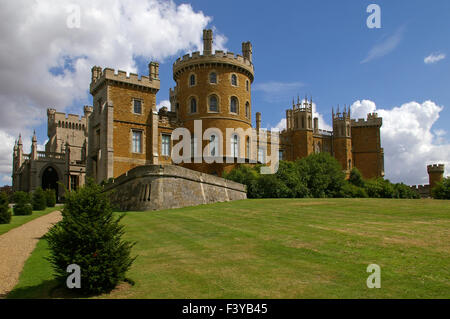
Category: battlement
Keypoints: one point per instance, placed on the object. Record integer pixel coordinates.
(219, 57)
(99, 76)
(436, 168)
(372, 120)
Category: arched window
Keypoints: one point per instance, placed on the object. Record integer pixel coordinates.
(247, 109)
(213, 145)
(349, 164)
(303, 122)
(192, 79)
(213, 78)
(213, 104)
(193, 105)
(59, 123)
(234, 105)
(247, 85)
(234, 79)
(234, 146)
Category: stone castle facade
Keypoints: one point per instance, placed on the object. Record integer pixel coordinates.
(123, 129)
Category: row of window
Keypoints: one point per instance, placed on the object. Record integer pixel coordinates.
(70, 125)
(213, 79)
(213, 105)
(213, 146)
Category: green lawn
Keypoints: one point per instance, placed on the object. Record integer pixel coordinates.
(17, 221)
(280, 248)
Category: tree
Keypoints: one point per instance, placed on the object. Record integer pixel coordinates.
(50, 196)
(356, 177)
(442, 189)
(39, 199)
(90, 236)
(5, 212)
(22, 205)
(247, 175)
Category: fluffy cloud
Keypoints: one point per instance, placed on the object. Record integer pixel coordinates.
(434, 57)
(408, 139)
(46, 62)
(165, 103)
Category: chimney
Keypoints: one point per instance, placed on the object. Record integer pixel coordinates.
(153, 70)
(258, 121)
(207, 42)
(247, 50)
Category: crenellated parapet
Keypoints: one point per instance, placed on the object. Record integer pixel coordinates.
(219, 58)
(436, 168)
(372, 121)
(101, 76)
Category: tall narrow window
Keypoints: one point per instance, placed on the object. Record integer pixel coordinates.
(261, 155)
(213, 78)
(234, 146)
(234, 79)
(193, 105)
(192, 80)
(213, 145)
(280, 155)
(137, 141)
(213, 104)
(234, 105)
(165, 145)
(247, 109)
(137, 106)
(349, 164)
(247, 147)
(247, 85)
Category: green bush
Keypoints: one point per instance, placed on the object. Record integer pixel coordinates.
(356, 177)
(39, 199)
(404, 191)
(352, 191)
(442, 189)
(50, 196)
(90, 236)
(5, 212)
(22, 205)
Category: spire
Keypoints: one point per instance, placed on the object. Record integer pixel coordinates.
(34, 139)
(338, 110)
(20, 140)
(332, 111)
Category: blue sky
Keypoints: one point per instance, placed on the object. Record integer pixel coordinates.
(318, 48)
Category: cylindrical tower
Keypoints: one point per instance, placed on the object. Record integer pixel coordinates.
(435, 174)
(215, 88)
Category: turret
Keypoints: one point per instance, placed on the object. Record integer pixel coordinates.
(435, 174)
(34, 155)
(258, 121)
(207, 42)
(153, 68)
(19, 151)
(316, 125)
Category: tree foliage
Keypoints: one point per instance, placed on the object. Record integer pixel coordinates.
(442, 189)
(90, 236)
(39, 199)
(22, 204)
(5, 212)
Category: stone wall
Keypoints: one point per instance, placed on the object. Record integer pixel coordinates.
(155, 187)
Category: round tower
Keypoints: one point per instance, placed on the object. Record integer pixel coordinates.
(214, 87)
(435, 174)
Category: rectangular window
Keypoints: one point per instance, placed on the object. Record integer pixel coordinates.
(73, 182)
(280, 155)
(137, 106)
(165, 151)
(261, 155)
(137, 141)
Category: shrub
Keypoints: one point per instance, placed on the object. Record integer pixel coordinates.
(356, 177)
(404, 191)
(39, 199)
(5, 213)
(351, 191)
(90, 236)
(247, 175)
(50, 196)
(22, 205)
(442, 189)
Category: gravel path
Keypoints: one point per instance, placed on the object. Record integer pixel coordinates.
(17, 245)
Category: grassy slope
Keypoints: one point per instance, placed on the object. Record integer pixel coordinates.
(17, 221)
(281, 249)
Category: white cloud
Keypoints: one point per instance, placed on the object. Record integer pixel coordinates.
(386, 46)
(165, 103)
(408, 139)
(44, 63)
(434, 57)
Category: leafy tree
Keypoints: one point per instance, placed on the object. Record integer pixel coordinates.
(90, 236)
(356, 177)
(39, 199)
(22, 205)
(294, 183)
(5, 212)
(404, 191)
(349, 190)
(50, 196)
(247, 175)
(442, 189)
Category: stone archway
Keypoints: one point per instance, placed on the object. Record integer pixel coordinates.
(50, 179)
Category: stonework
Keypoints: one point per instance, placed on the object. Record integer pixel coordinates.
(435, 175)
(155, 187)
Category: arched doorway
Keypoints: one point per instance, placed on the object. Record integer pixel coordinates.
(50, 179)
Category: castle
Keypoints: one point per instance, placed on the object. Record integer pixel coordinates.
(124, 130)
(435, 175)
